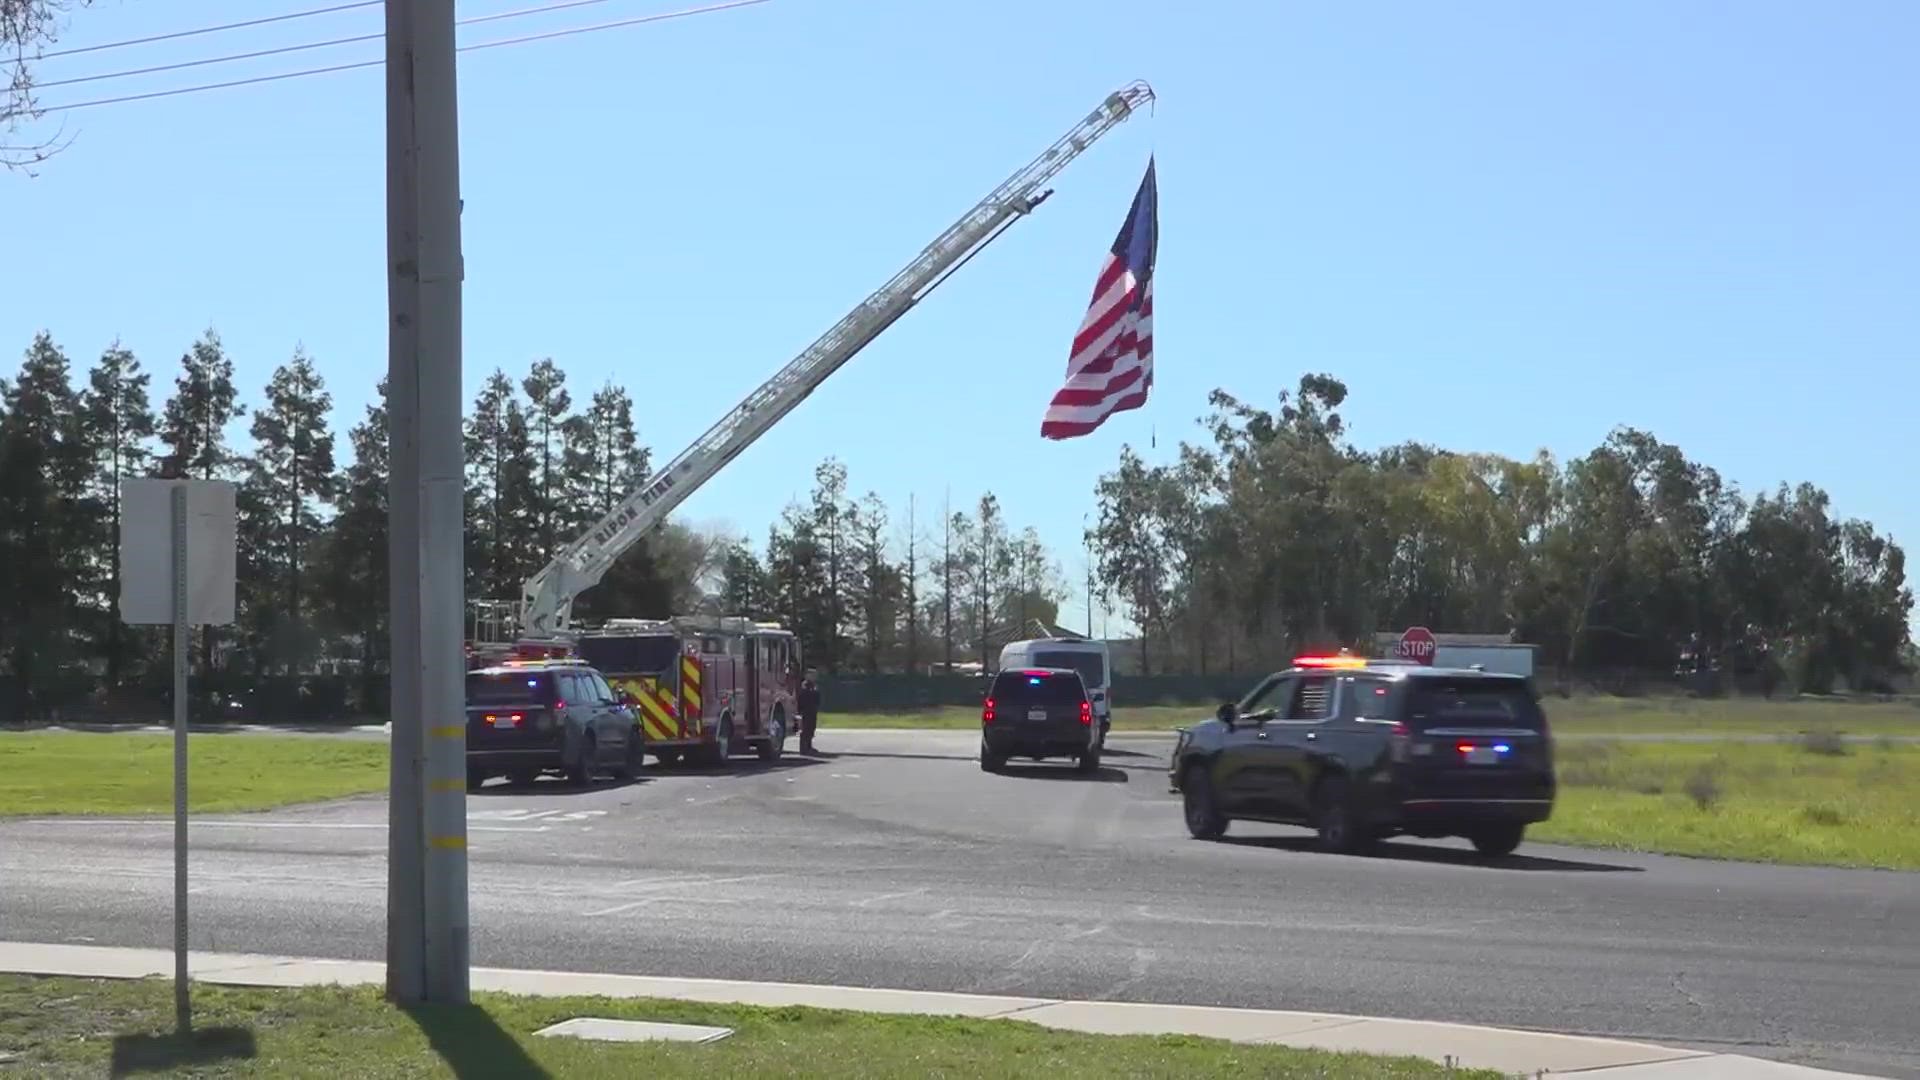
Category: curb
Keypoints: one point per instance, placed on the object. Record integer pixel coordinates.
(1528, 1053)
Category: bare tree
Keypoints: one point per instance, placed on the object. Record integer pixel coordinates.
(26, 28)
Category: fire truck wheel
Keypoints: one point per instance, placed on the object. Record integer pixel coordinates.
(776, 741)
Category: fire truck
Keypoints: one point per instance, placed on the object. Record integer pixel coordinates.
(540, 622)
(703, 686)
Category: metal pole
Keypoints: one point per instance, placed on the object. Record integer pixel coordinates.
(182, 998)
(427, 933)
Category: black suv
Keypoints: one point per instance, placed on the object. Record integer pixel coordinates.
(529, 717)
(1360, 750)
(1038, 713)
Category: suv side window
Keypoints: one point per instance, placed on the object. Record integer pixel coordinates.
(1368, 698)
(601, 692)
(1272, 694)
(1313, 700)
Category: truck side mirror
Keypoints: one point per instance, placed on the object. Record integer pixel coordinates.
(1225, 713)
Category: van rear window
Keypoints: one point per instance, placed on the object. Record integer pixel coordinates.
(1038, 687)
(1091, 665)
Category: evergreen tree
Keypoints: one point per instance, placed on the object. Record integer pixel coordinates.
(547, 421)
(291, 479)
(502, 545)
(193, 427)
(744, 585)
(355, 575)
(48, 517)
(604, 463)
(118, 418)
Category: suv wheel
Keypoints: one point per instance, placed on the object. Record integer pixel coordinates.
(990, 761)
(475, 778)
(636, 755)
(1494, 841)
(580, 773)
(1334, 820)
(1204, 819)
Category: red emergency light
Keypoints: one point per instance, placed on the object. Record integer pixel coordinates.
(1330, 661)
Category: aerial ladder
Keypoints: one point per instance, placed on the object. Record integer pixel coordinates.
(545, 607)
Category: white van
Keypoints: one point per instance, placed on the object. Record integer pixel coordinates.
(1089, 658)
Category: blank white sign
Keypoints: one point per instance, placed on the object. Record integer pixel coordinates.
(146, 551)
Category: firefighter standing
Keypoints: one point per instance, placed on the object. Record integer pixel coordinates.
(808, 702)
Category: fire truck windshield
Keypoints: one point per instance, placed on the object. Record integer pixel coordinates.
(630, 655)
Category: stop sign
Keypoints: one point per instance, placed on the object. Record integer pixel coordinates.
(1417, 645)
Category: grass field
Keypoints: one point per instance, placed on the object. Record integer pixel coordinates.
(70, 773)
(1814, 802)
(60, 1028)
(1579, 715)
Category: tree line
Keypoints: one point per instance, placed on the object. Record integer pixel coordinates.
(1275, 532)
(868, 592)
(312, 573)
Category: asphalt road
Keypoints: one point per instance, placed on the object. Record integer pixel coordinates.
(896, 862)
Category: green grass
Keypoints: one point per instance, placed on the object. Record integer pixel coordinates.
(1812, 802)
(128, 773)
(59, 1027)
(1578, 715)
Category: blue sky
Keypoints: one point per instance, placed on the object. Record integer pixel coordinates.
(1507, 226)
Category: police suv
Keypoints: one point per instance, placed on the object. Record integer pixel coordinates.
(1361, 749)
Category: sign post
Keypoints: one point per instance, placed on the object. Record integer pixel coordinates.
(177, 557)
(1416, 644)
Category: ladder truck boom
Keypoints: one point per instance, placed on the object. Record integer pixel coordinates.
(547, 598)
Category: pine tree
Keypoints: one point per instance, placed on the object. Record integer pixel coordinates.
(193, 429)
(48, 516)
(605, 462)
(193, 426)
(744, 586)
(354, 574)
(118, 417)
(292, 478)
(990, 569)
(501, 547)
(547, 423)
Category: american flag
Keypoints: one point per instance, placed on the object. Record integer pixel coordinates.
(1111, 369)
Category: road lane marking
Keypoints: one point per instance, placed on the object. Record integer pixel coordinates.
(872, 900)
(644, 901)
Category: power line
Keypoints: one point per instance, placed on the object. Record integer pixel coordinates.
(658, 17)
(283, 49)
(212, 29)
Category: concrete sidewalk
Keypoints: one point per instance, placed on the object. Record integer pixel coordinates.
(1520, 1053)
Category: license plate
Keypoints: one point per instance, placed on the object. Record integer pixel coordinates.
(1483, 755)
(1036, 714)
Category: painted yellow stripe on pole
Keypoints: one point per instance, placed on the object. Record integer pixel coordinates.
(448, 732)
(449, 843)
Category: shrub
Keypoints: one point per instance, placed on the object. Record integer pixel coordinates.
(1703, 787)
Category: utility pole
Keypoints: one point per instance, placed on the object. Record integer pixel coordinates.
(427, 947)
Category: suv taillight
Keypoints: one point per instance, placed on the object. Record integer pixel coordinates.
(1086, 714)
(986, 712)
